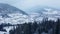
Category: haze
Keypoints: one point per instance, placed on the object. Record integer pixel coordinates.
(27, 4)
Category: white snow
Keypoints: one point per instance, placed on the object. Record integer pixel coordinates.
(19, 18)
(8, 28)
(16, 18)
(50, 12)
(1, 32)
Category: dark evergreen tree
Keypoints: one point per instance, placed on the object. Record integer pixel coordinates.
(35, 26)
(58, 27)
(27, 28)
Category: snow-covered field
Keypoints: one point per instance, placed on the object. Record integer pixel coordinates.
(8, 28)
(1, 32)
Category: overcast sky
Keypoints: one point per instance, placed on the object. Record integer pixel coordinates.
(26, 4)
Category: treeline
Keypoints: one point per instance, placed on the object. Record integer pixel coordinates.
(4, 25)
(44, 27)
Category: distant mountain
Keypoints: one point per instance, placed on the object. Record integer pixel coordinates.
(9, 9)
(38, 13)
(11, 14)
(6, 9)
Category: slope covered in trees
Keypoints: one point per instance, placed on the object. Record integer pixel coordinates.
(44, 27)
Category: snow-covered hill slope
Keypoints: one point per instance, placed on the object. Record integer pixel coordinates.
(45, 12)
(13, 15)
